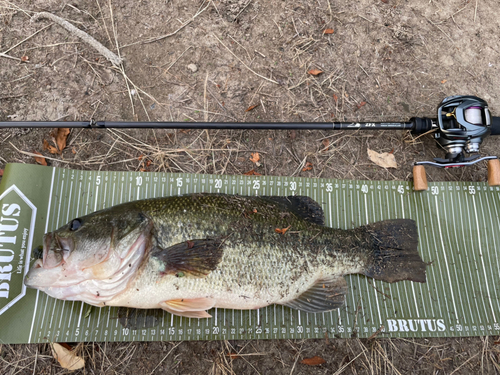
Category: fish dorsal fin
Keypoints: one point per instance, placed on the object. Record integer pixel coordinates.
(327, 294)
(190, 308)
(304, 207)
(190, 258)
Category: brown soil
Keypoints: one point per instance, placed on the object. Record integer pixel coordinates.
(400, 57)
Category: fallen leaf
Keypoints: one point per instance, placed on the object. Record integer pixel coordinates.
(73, 150)
(233, 355)
(190, 244)
(67, 346)
(336, 98)
(444, 81)
(307, 167)
(362, 104)
(326, 143)
(67, 358)
(314, 361)
(385, 1)
(328, 31)
(255, 158)
(1, 172)
(385, 159)
(252, 107)
(61, 135)
(40, 159)
(88, 312)
(47, 146)
(282, 231)
(25, 58)
(140, 157)
(315, 72)
(252, 173)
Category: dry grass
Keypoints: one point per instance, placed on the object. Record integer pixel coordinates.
(355, 356)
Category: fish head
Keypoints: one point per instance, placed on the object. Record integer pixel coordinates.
(93, 251)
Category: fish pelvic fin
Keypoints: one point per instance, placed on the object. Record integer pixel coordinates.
(325, 295)
(394, 254)
(189, 308)
(190, 258)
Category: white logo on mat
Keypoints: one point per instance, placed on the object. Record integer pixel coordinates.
(17, 224)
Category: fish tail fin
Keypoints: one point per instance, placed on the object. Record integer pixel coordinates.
(394, 255)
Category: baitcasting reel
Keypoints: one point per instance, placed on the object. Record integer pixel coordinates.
(461, 125)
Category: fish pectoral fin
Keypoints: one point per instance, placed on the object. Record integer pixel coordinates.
(192, 258)
(189, 308)
(327, 294)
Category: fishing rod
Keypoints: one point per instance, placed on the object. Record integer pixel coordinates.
(462, 122)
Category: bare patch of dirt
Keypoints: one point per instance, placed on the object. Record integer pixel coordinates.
(400, 57)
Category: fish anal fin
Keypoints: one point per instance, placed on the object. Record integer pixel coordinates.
(192, 257)
(327, 294)
(302, 206)
(189, 308)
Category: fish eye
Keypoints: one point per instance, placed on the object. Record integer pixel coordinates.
(75, 224)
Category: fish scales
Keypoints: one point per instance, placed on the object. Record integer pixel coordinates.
(250, 264)
(215, 250)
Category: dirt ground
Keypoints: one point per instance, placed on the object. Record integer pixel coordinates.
(213, 61)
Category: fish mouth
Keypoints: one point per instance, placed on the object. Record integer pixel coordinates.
(56, 250)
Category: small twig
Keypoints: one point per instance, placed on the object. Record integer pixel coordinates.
(37, 156)
(110, 56)
(4, 53)
(440, 29)
(376, 333)
(245, 65)
(9, 57)
(463, 364)
(205, 106)
(177, 59)
(241, 11)
(164, 358)
(157, 38)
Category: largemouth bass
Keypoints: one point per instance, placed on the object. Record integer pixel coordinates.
(190, 253)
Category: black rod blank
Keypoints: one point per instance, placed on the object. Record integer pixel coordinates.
(211, 125)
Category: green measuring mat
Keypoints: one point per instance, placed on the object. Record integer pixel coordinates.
(459, 236)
